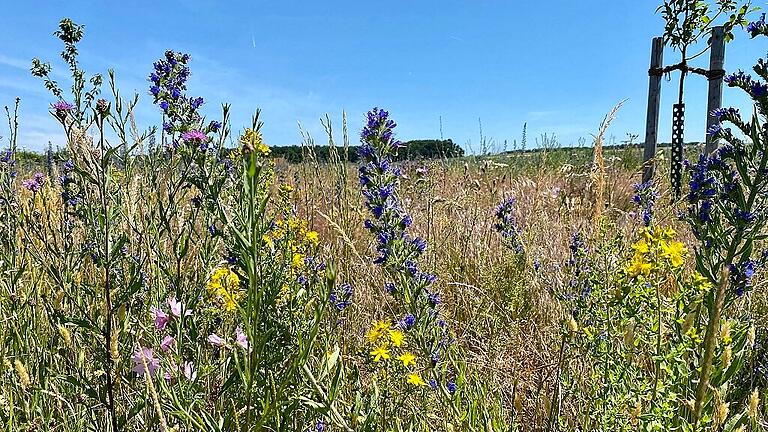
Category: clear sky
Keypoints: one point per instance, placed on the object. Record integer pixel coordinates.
(558, 65)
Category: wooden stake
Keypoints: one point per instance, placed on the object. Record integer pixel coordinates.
(652, 116)
(715, 96)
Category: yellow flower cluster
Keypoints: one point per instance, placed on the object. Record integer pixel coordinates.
(299, 239)
(387, 341)
(224, 286)
(252, 142)
(657, 244)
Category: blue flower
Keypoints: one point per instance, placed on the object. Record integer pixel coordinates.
(408, 321)
(341, 296)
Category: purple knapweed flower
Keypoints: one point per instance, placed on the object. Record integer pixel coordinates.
(34, 183)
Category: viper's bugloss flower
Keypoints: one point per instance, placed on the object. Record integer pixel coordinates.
(379, 180)
(506, 225)
(144, 361)
(741, 276)
(725, 113)
(7, 157)
(168, 89)
(757, 27)
(398, 252)
(645, 197)
(407, 322)
(341, 296)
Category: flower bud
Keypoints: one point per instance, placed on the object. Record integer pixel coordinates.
(102, 107)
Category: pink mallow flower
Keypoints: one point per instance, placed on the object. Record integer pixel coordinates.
(160, 317)
(189, 371)
(177, 308)
(145, 361)
(216, 340)
(167, 342)
(240, 338)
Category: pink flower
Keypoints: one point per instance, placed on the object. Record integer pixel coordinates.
(216, 340)
(241, 338)
(165, 345)
(161, 318)
(62, 106)
(194, 135)
(144, 361)
(172, 367)
(189, 370)
(177, 307)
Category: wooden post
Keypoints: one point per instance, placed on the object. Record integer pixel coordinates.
(715, 95)
(652, 115)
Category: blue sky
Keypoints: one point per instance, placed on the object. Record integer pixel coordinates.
(558, 66)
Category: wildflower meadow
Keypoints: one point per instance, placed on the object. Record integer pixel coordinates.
(184, 277)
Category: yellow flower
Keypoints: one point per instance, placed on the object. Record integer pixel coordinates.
(407, 359)
(396, 337)
(674, 251)
(380, 353)
(641, 247)
(383, 325)
(312, 237)
(416, 380)
(224, 284)
(252, 141)
(669, 233)
(297, 261)
(373, 335)
(638, 266)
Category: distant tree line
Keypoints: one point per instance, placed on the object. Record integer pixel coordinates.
(415, 149)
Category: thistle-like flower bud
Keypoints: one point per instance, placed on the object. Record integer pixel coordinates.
(102, 107)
